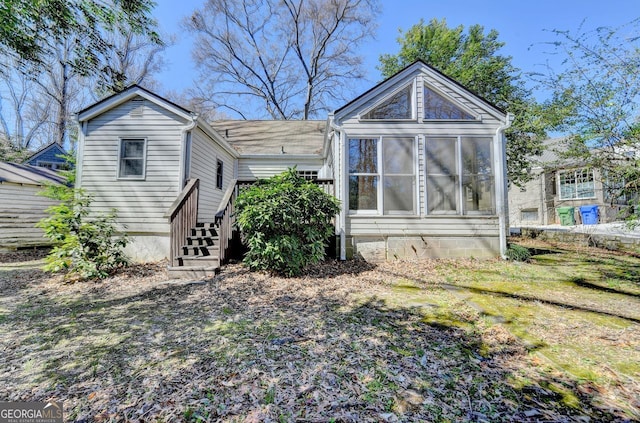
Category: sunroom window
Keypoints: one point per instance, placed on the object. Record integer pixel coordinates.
(438, 107)
(363, 174)
(477, 175)
(442, 175)
(577, 184)
(398, 175)
(460, 177)
(399, 106)
(382, 175)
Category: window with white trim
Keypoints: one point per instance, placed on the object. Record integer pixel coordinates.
(132, 160)
(577, 184)
(437, 107)
(460, 177)
(382, 176)
(397, 107)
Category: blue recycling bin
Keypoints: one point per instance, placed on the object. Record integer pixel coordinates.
(589, 214)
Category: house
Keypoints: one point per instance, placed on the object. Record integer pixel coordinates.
(20, 205)
(561, 185)
(417, 162)
(50, 156)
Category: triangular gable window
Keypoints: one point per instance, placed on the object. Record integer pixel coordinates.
(438, 107)
(396, 107)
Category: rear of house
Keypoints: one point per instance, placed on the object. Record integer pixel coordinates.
(417, 163)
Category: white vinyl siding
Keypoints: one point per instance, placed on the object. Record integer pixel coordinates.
(250, 168)
(205, 153)
(140, 204)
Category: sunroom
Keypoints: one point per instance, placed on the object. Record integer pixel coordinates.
(423, 162)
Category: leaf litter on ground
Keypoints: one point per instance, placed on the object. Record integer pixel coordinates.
(332, 345)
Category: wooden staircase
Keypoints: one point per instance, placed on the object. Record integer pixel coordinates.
(200, 256)
(198, 249)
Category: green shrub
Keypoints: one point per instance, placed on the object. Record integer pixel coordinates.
(517, 252)
(286, 222)
(83, 245)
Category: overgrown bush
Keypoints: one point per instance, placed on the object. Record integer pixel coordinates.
(286, 222)
(83, 245)
(517, 252)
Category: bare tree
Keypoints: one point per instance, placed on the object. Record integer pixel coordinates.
(289, 58)
(23, 117)
(133, 59)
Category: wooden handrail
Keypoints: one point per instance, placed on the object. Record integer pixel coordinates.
(182, 215)
(226, 198)
(179, 202)
(225, 219)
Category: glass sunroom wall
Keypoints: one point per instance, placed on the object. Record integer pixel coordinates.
(399, 175)
(442, 175)
(363, 174)
(477, 175)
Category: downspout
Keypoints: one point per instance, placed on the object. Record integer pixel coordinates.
(501, 200)
(338, 160)
(80, 151)
(183, 153)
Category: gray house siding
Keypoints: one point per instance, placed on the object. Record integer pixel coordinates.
(204, 156)
(140, 204)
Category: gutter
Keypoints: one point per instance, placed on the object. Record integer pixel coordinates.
(502, 200)
(339, 152)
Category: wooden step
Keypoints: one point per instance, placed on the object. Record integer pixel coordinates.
(201, 250)
(202, 240)
(193, 272)
(203, 231)
(198, 261)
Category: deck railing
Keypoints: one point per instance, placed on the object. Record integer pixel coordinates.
(325, 184)
(225, 219)
(182, 215)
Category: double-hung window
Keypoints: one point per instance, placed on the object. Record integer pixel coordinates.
(577, 184)
(382, 175)
(460, 177)
(132, 158)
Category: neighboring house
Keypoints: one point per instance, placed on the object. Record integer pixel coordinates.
(417, 162)
(20, 205)
(50, 156)
(559, 183)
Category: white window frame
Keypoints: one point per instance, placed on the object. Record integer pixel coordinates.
(461, 209)
(379, 210)
(425, 85)
(414, 106)
(575, 184)
(144, 160)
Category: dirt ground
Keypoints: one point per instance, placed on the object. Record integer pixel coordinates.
(340, 343)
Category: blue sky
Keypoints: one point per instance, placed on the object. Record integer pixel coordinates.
(520, 24)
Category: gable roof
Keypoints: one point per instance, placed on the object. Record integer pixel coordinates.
(28, 175)
(269, 137)
(413, 69)
(45, 149)
(126, 95)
